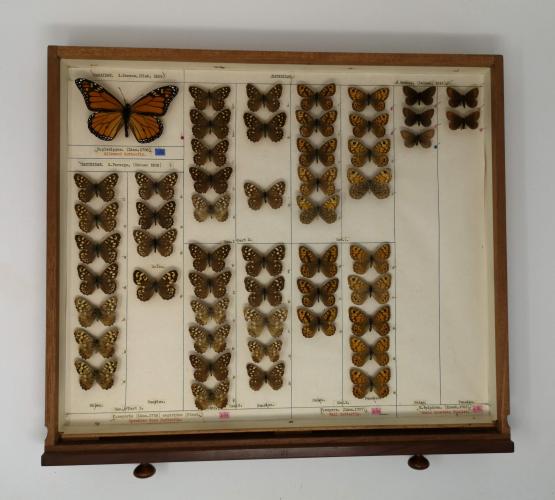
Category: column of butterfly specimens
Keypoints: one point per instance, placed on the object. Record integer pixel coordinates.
(418, 118)
(98, 270)
(463, 99)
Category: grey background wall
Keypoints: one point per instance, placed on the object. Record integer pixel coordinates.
(520, 30)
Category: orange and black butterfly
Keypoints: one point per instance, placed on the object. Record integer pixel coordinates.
(148, 186)
(364, 383)
(89, 250)
(90, 281)
(313, 293)
(362, 290)
(110, 115)
(106, 219)
(203, 259)
(413, 97)
(309, 210)
(257, 376)
(147, 286)
(269, 100)
(88, 345)
(312, 322)
(218, 125)
(361, 125)
(271, 292)
(311, 182)
(457, 98)
(363, 352)
(256, 260)
(457, 121)
(216, 154)
(362, 322)
(103, 189)
(313, 262)
(88, 375)
(362, 99)
(412, 118)
(149, 216)
(363, 259)
(376, 153)
(423, 138)
(311, 97)
(257, 197)
(206, 398)
(310, 124)
(378, 185)
(147, 243)
(257, 129)
(324, 154)
(216, 98)
(204, 180)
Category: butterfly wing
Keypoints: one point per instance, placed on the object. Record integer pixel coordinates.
(361, 351)
(309, 291)
(275, 127)
(380, 320)
(272, 97)
(307, 152)
(146, 185)
(201, 124)
(201, 208)
(273, 260)
(166, 241)
(220, 178)
(256, 375)
(201, 367)
(256, 291)
(86, 374)
(200, 337)
(221, 206)
(328, 266)
(275, 194)
(107, 280)
(86, 343)
(409, 138)
(327, 321)
(255, 195)
(328, 209)
(219, 338)
(166, 284)
(379, 184)
(87, 220)
(220, 124)
(308, 180)
(165, 214)
(145, 242)
(275, 376)
(219, 367)
(306, 121)
(380, 258)
(106, 343)
(379, 351)
(358, 97)
(326, 152)
(360, 290)
(308, 210)
(359, 152)
(360, 321)
(425, 138)
(377, 98)
(255, 97)
(275, 321)
(362, 383)
(218, 257)
(309, 262)
(308, 97)
(273, 292)
(255, 127)
(146, 285)
(471, 120)
(257, 350)
(254, 260)
(359, 184)
(327, 291)
(86, 187)
(219, 285)
(309, 320)
(255, 321)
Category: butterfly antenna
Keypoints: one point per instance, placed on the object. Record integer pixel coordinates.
(122, 96)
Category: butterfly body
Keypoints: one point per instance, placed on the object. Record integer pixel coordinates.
(364, 383)
(259, 293)
(258, 377)
(206, 398)
(147, 286)
(312, 322)
(89, 375)
(362, 322)
(313, 263)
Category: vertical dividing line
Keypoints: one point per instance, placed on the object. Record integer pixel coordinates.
(126, 282)
(291, 251)
(235, 244)
(183, 252)
(395, 246)
(438, 253)
(341, 243)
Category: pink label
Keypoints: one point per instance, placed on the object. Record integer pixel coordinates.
(224, 415)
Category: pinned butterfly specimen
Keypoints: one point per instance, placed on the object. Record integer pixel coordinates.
(457, 121)
(257, 129)
(204, 367)
(273, 321)
(313, 293)
(270, 99)
(259, 350)
(376, 153)
(149, 216)
(105, 219)
(88, 344)
(423, 138)
(216, 98)
(363, 259)
(218, 125)
(218, 210)
(326, 210)
(362, 322)
(325, 154)
(88, 375)
(312, 322)
(361, 99)
(256, 196)
(362, 290)
(258, 293)
(378, 185)
(88, 189)
(313, 263)
(413, 97)
(88, 313)
(457, 98)
(203, 339)
(203, 259)
(206, 398)
(256, 261)
(163, 187)
(90, 281)
(204, 180)
(322, 124)
(147, 243)
(204, 285)
(204, 312)
(361, 125)
(311, 97)
(364, 383)
(412, 118)
(147, 286)
(310, 182)
(110, 115)
(273, 377)
(89, 250)
(362, 351)
(216, 154)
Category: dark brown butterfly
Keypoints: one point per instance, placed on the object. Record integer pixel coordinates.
(149, 216)
(88, 375)
(362, 351)
(259, 350)
(147, 286)
(273, 321)
(257, 376)
(322, 124)
(271, 292)
(256, 196)
(378, 185)
(204, 180)
(204, 339)
(364, 383)
(218, 210)
(204, 367)
(163, 187)
(311, 97)
(413, 97)
(257, 129)
(215, 97)
(376, 153)
(312, 322)
(424, 118)
(313, 293)
(313, 263)
(205, 285)
(203, 259)
(147, 243)
(310, 182)
(327, 210)
(457, 121)
(256, 261)
(206, 398)
(457, 98)
(216, 154)
(105, 219)
(90, 281)
(362, 322)
(362, 99)
(218, 125)
(89, 250)
(362, 290)
(324, 154)
(204, 312)
(423, 138)
(363, 258)
(257, 99)
(361, 125)
(88, 344)
(87, 188)
(88, 313)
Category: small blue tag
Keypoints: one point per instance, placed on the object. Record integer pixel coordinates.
(159, 152)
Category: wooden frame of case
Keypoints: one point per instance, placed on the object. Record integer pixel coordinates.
(279, 444)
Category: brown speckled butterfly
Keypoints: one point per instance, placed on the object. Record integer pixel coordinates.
(147, 285)
(218, 210)
(412, 117)
(457, 98)
(206, 398)
(423, 138)
(90, 281)
(204, 312)
(312, 322)
(204, 180)
(364, 383)
(256, 196)
(163, 187)
(88, 344)
(378, 185)
(203, 339)
(324, 154)
(413, 97)
(257, 376)
(271, 292)
(269, 99)
(273, 321)
(88, 375)
(88, 189)
(363, 258)
(361, 125)
(257, 129)
(362, 290)
(362, 322)
(216, 154)
(361, 99)
(326, 210)
(259, 350)
(256, 261)
(216, 98)
(203, 259)
(311, 97)
(310, 124)
(105, 219)
(313, 263)
(88, 313)
(149, 216)
(457, 121)
(218, 125)
(203, 367)
(147, 243)
(205, 285)
(360, 153)
(89, 250)
(310, 182)
(314, 293)
(363, 352)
